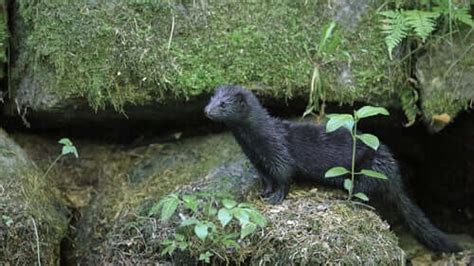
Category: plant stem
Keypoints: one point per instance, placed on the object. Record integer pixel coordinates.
(354, 144)
(38, 252)
(51, 165)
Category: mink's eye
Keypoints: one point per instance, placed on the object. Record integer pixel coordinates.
(222, 105)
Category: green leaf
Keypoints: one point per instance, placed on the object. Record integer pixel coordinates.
(229, 243)
(348, 184)
(206, 256)
(179, 237)
(190, 202)
(314, 92)
(247, 229)
(169, 249)
(339, 120)
(327, 33)
(155, 208)
(228, 203)
(7, 220)
(224, 216)
(209, 208)
(170, 204)
(370, 140)
(70, 150)
(201, 231)
(65, 142)
(183, 245)
(211, 226)
(373, 174)
(68, 147)
(367, 111)
(361, 196)
(167, 242)
(189, 221)
(242, 215)
(245, 205)
(257, 217)
(336, 171)
(211, 211)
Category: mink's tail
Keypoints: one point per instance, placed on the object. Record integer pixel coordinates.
(416, 220)
(421, 227)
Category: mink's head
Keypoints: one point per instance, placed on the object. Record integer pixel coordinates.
(229, 104)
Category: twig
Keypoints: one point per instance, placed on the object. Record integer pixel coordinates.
(354, 147)
(363, 204)
(51, 166)
(171, 33)
(37, 241)
(356, 203)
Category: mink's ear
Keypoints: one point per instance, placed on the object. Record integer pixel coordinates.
(240, 99)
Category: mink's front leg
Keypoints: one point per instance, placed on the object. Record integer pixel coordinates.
(282, 181)
(279, 195)
(267, 186)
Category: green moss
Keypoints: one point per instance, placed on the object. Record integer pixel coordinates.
(133, 180)
(443, 101)
(121, 52)
(3, 36)
(446, 78)
(342, 234)
(29, 210)
(362, 69)
(111, 183)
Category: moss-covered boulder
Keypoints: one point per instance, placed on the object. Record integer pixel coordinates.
(310, 227)
(149, 53)
(127, 182)
(446, 76)
(32, 222)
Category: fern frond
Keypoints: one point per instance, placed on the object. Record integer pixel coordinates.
(422, 22)
(462, 15)
(395, 27)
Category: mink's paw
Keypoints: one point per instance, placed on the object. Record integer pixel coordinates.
(276, 198)
(266, 192)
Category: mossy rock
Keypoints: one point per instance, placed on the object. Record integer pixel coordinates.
(147, 53)
(447, 81)
(134, 179)
(310, 227)
(32, 218)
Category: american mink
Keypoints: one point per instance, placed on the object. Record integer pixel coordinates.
(284, 151)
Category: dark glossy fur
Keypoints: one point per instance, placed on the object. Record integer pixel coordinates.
(284, 151)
